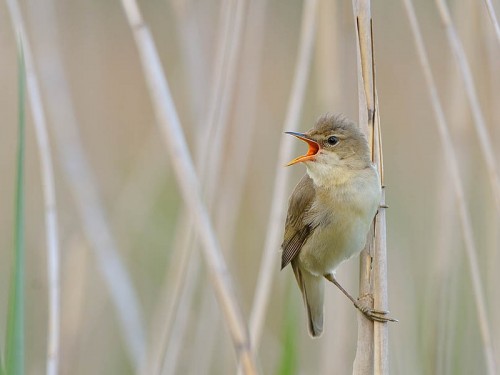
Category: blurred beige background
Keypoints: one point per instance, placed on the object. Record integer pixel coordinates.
(429, 280)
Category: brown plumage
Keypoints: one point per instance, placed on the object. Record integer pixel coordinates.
(330, 210)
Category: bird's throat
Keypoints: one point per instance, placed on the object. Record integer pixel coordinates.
(329, 176)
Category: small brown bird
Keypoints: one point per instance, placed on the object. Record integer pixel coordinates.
(330, 211)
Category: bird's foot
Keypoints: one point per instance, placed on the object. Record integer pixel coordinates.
(373, 314)
(370, 313)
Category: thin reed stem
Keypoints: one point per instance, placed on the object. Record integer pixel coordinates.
(465, 221)
(379, 268)
(372, 346)
(52, 238)
(83, 188)
(241, 145)
(208, 164)
(269, 263)
(189, 185)
(470, 89)
(246, 112)
(222, 96)
(493, 18)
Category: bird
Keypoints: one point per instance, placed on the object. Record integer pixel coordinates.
(330, 211)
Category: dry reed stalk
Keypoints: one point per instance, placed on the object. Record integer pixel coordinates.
(49, 194)
(83, 188)
(470, 89)
(372, 346)
(269, 260)
(189, 186)
(465, 221)
(209, 162)
(379, 265)
(222, 95)
(235, 177)
(493, 18)
(245, 115)
(231, 189)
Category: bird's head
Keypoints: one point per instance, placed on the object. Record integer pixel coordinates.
(334, 142)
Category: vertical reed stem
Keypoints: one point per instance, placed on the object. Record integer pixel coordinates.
(372, 348)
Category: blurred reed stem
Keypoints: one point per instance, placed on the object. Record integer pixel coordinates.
(210, 148)
(235, 177)
(470, 89)
(50, 211)
(189, 184)
(83, 187)
(246, 110)
(269, 259)
(465, 220)
(493, 18)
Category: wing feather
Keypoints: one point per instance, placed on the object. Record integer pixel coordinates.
(297, 229)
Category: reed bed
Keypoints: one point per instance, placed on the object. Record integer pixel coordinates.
(157, 127)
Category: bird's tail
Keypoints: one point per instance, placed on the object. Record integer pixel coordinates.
(312, 288)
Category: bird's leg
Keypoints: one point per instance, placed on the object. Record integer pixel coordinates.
(370, 313)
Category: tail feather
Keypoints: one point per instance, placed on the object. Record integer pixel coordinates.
(312, 288)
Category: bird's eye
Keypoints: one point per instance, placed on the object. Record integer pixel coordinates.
(332, 141)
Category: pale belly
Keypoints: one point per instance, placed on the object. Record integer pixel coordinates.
(342, 217)
(332, 244)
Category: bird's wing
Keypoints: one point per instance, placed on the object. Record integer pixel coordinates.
(297, 230)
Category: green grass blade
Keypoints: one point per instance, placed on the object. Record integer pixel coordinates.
(14, 358)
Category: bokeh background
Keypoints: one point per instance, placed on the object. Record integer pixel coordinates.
(88, 66)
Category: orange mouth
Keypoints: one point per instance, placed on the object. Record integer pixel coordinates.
(311, 152)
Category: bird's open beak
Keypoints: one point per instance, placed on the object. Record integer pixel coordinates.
(311, 153)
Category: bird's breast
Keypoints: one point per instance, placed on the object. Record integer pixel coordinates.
(341, 217)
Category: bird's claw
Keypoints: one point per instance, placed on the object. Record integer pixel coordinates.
(375, 315)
